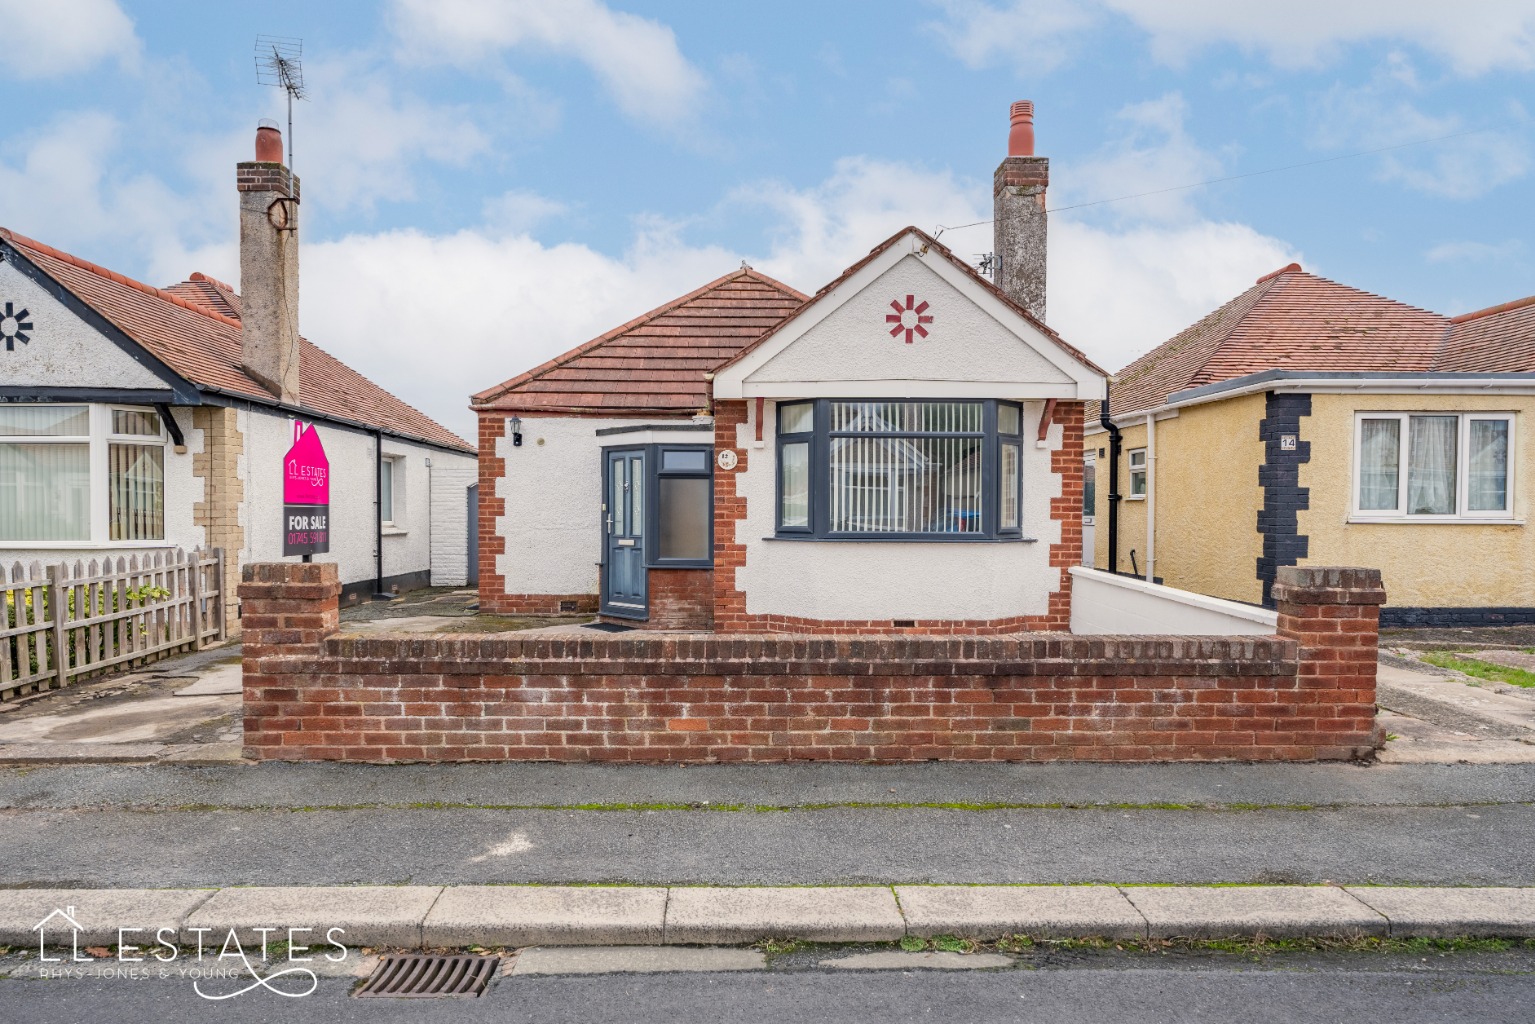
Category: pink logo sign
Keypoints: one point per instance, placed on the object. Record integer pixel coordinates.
(306, 470)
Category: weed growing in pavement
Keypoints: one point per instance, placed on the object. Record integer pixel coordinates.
(1483, 669)
(779, 947)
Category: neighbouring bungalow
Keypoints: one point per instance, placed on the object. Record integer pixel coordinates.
(136, 419)
(1309, 423)
(898, 452)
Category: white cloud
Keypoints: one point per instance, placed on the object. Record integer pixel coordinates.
(1475, 252)
(519, 211)
(1038, 35)
(64, 36)
(1152, 151)
(636, 59)
(1472, 37)
(1383, 112)
(1117, 294)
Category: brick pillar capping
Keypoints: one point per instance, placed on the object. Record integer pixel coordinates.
(1334, 615)
(289, 604)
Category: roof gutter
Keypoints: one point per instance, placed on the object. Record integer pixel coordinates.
(1343, 383)
(340, 421)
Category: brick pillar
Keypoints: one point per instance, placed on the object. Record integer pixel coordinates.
(1334, 614)
(289, 604)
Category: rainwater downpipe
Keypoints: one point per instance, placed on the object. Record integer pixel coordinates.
(378, 516)
(1114, 495)
(1151, 498)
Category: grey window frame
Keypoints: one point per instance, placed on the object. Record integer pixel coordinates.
(655, 456)
(820, 437)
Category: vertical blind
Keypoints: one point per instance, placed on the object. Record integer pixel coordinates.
(889, 474)
(45, 491)
(136, 481)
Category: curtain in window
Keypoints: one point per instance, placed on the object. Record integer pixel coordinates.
(136, 484)
(45, 491)
(1487, 469)
(1380, 452)
(1431, 465)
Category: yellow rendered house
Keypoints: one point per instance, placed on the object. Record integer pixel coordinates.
(1309, 423)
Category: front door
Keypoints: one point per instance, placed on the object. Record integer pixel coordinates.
(623, 520)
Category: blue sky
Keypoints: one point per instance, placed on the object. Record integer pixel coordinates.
(489, 182)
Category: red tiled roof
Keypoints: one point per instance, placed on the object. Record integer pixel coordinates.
(1292, 320)
(194, 328)
(1496, 340)
(930, 244)
(654, 365)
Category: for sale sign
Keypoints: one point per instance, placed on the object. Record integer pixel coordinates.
(306, 494)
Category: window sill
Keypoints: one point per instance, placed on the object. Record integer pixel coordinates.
(1135, 497)
(394, 531)
(792, 539)
(1430, 521)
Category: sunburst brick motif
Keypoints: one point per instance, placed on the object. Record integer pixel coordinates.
(14, 326)
(909, 318)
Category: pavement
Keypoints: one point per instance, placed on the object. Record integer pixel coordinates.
(444, 917)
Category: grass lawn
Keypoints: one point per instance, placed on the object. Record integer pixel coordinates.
(1483, 669)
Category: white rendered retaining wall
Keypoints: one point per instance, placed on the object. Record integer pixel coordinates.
(1121, 605)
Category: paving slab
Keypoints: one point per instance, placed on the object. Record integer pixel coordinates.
(1453, 913)
(553, 915)
(216, 680)
(95, 753)
(991, 911)
(900, 960)
(217, 753)
(634, 960)
(375, 915)
(99, 912)
(829, 914)
(1214, 912)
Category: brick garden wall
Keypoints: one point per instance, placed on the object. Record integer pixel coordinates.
(1308, 693)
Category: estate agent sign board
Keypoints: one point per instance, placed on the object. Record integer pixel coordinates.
(306, 494)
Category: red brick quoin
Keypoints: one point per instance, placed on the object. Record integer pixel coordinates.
(1308, 693)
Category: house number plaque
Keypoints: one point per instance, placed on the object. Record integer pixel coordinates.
(726, 460)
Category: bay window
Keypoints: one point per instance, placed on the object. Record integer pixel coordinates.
(1433, 466)
(910, 470)
(81, 474)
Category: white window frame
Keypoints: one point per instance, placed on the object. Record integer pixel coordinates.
(1462, 469)
(1132, 469)
(99, 440)
(395, 523)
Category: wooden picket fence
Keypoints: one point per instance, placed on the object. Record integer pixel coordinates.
(60, 623)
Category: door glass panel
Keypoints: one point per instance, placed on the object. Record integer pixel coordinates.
(636, 496)
(616, 498)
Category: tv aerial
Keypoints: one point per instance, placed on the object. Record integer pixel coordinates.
(279, 62)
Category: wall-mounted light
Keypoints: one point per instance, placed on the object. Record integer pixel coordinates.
(516, 424)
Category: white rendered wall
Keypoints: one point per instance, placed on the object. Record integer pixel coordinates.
(964, 342)
(1117, 605)
(353, 521)
(837, 580)
(64, 350)
(451, 478)
(552, 487)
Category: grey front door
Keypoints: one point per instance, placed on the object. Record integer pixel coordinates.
(623, 520)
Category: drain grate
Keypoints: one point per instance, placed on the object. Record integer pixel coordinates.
(429, 975)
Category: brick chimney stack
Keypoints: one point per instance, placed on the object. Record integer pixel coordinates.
(1018, 204)
(269, 349)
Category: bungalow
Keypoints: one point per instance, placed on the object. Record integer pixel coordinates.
(1309, 423)
(136, 419)
(899, 451)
